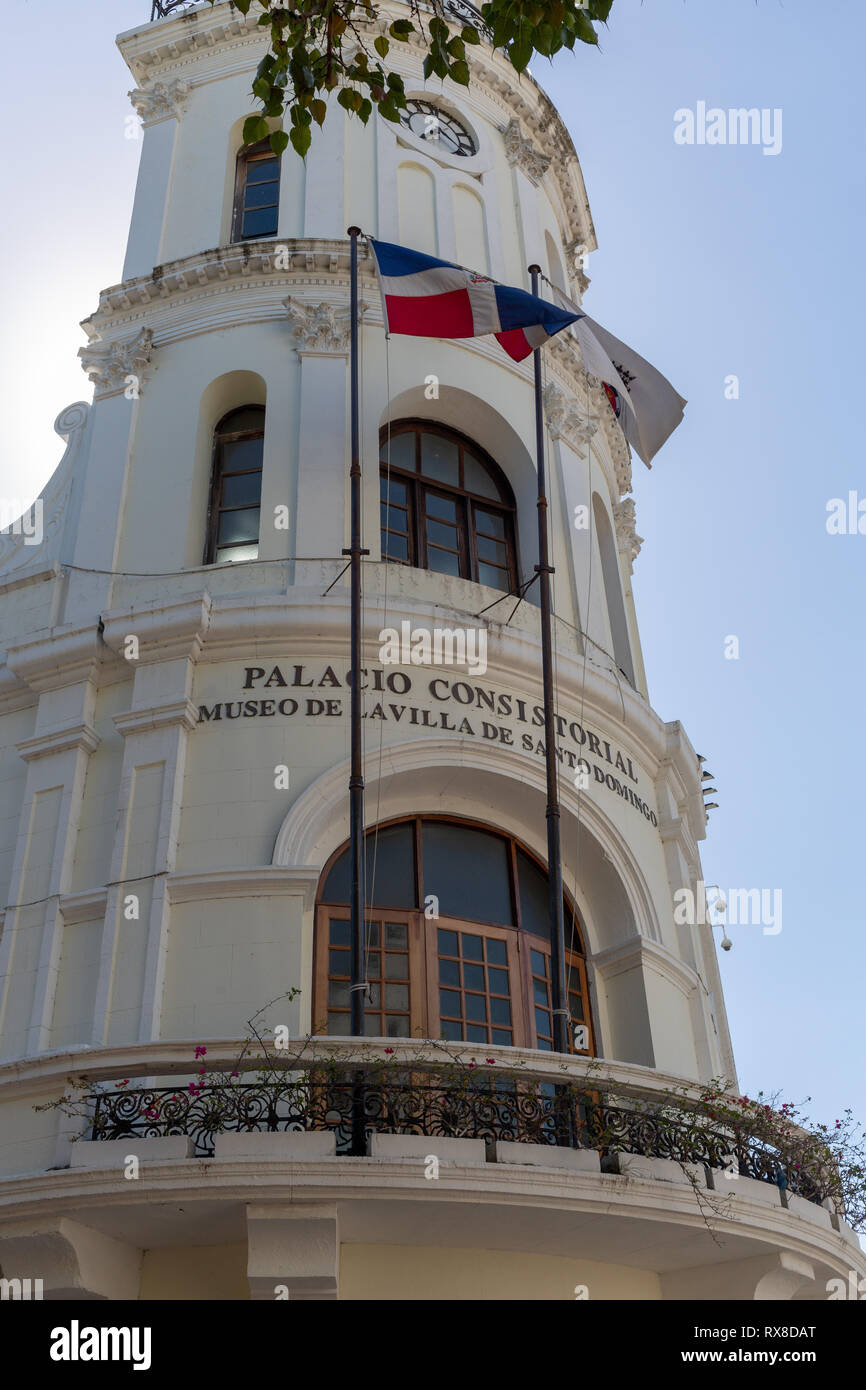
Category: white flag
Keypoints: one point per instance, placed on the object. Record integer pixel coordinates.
(651, 408)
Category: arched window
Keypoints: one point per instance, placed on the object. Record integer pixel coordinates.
(445, 505)
(236, 486)
(613, 589)
(477, 968)
(257, 193)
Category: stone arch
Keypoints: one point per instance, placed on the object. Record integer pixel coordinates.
(506, 789)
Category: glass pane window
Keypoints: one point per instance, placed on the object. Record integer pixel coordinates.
(431, 477)
(479, 971)
(257, 192)
(236, 487)
(390, 869)
(468, 871)
(479, 1007)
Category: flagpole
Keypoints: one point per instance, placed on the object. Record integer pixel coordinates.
(544, 569)
(358, 985)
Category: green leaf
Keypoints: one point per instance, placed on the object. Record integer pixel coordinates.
(583, 28)
(401, 29)
(365, 109)
(601, 9)
(460, 72)
(520, 53)
(279, 141)
(255, 129)
(428, 66)
(456, 47)
(301, 139)
(319, 110)
(243, 6)
(381, 46)
(470, 34)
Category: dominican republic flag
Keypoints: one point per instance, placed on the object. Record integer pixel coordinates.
(428, 298)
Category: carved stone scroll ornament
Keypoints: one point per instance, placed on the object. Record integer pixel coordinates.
(523, 153)
(121, 366)
(566, 419)
(159, 101)
(321, 328)
(628, 542)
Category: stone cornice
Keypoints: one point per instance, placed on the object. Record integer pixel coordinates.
(164, 631)
(143, 721)
(62, 740)
(260, 881)
(58, 658)
(646, 954)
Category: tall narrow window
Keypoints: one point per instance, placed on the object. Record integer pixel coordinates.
(446, 506)
(257, 193)
(236, 486)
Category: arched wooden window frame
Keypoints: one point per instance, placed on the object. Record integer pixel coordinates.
(247, 159)
(422, 938)
(469, 504)
(223, 435)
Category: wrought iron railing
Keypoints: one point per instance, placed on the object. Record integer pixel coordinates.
(160, 9)
(441, 1102)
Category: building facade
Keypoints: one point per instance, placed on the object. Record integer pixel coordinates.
(175, 742)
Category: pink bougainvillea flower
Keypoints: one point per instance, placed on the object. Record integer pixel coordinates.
(389, 1051)
(200, 1052)
(491, 1061)
(235, 1073)
(124, 1083)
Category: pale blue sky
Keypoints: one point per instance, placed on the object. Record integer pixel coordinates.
(712, 261)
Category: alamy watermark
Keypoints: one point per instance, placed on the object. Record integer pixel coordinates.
(439, 646)
(17, 519)
(743, 907)
(737, 126)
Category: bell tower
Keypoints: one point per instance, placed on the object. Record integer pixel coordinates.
(174, 725)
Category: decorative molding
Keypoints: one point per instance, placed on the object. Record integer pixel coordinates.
(258, 881)
(567, 419)
(111, 365)
(144, 721)
(86, 906)
(523, 153)
(16, 554)
(628, 542)
(575, 252)
(642, 953)
(160, 101)
(165, 631)
(71, 736)
(321, 329)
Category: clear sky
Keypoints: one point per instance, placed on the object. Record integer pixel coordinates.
(713, 260)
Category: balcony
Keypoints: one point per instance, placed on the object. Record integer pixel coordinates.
(354, 1091)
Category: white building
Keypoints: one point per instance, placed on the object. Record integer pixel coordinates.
(174, 735)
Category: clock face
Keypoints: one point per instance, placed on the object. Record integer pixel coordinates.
(437, 127)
